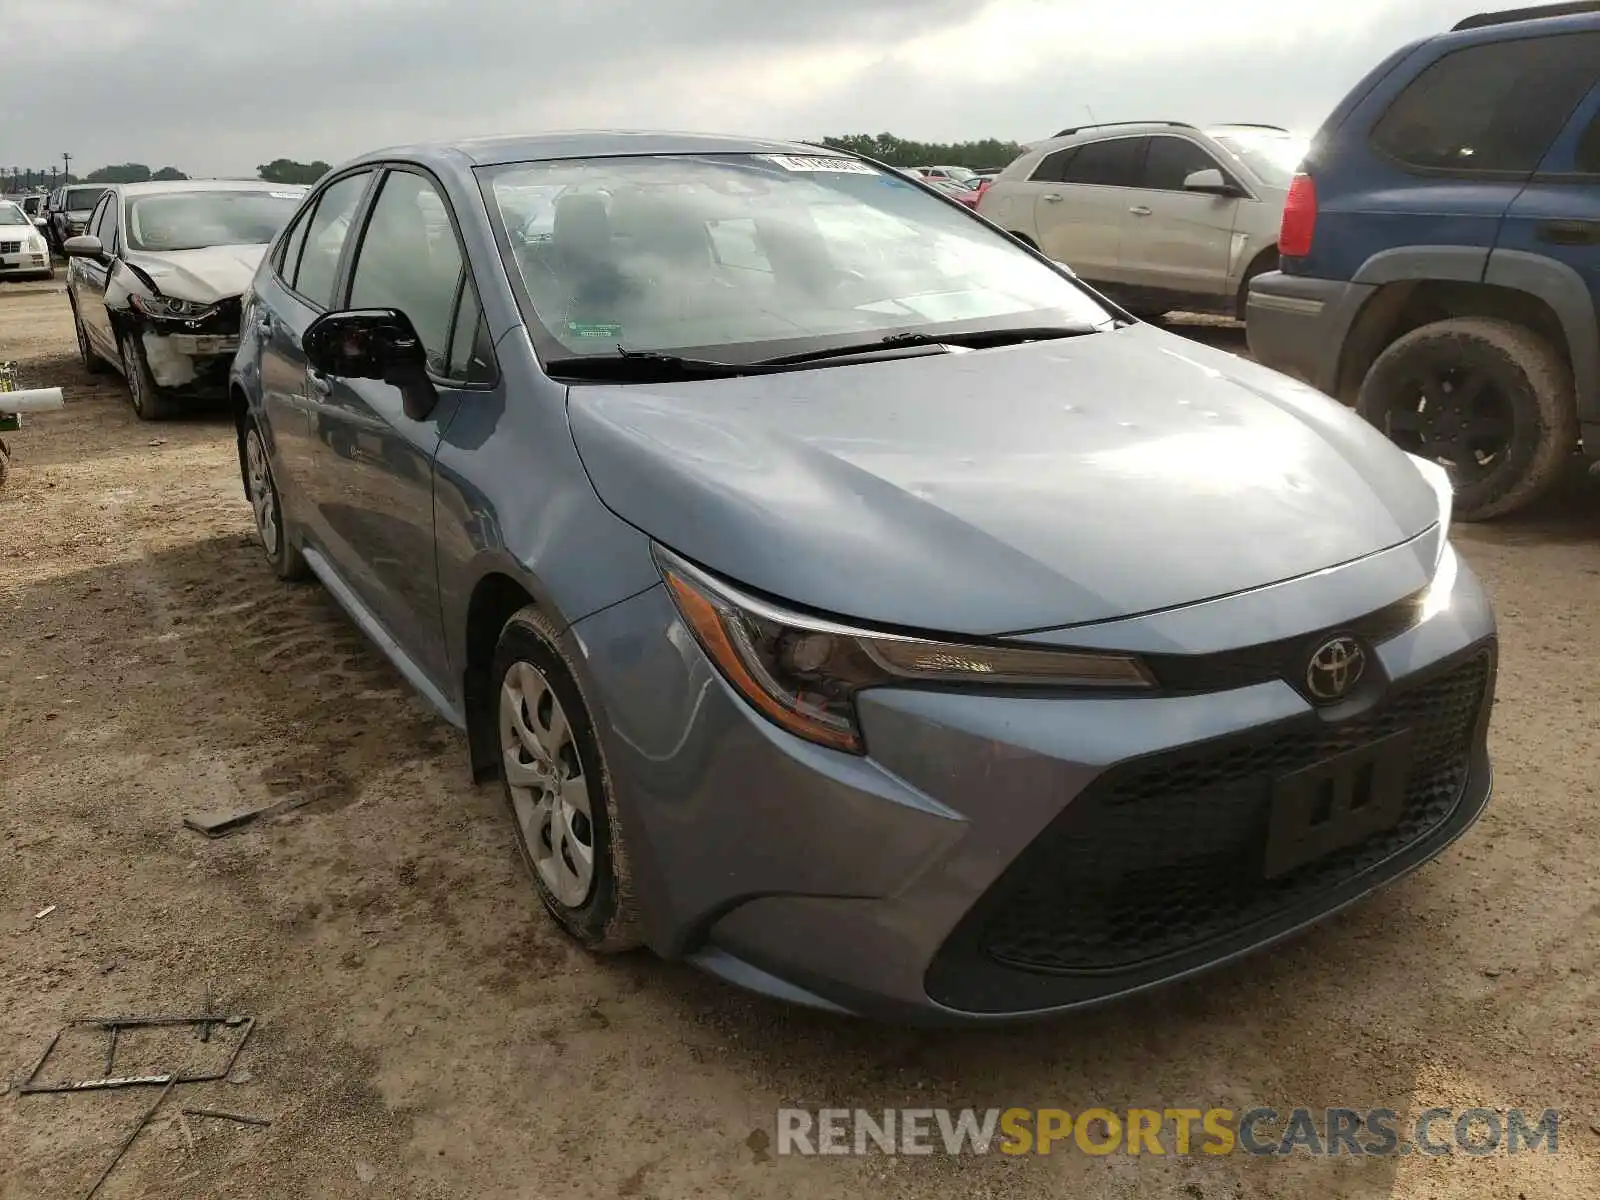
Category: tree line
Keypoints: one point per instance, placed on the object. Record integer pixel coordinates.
(902, 152)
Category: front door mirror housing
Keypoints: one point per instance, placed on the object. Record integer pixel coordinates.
(85, 245)
(1210, 180)
(374, 343)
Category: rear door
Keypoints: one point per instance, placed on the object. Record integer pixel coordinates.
(1178, 242)
(300, 288)
(1081, 218)
(1558, 213)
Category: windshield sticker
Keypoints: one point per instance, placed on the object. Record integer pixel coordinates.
(595, 329)
(286, 195)
(842, 166)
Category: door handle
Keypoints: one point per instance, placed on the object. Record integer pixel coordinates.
(1053, 198)
(318, 384)
(1569, 233)
(1139, 210)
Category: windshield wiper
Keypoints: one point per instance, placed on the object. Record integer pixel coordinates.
(644, 365)
(976, 340)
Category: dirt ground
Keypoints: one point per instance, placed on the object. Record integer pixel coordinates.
(424, 1032)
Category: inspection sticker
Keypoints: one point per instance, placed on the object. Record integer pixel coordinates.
(594, 329)
(286, 195)
(797, 162)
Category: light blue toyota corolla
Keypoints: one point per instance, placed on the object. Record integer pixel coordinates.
(848, 600)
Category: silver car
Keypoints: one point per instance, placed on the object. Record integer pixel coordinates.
(842, 597)
(1157, 215)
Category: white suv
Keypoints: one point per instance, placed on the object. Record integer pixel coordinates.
(1159, 215)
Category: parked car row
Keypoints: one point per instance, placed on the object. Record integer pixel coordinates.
(653, 462)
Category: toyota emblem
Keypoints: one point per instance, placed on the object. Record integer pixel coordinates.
(1335, 668)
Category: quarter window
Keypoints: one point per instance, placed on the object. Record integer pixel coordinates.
(471, 354)
(324, 239)
(1052, 168)
(1495, 107)
(1588, 155)
(98, 225)
(1171, 160)
(1113, 163)
(410, 260)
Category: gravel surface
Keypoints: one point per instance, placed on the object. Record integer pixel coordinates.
(425, 1032)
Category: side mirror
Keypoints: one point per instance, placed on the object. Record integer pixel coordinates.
(42, 222)
(373, 343)
(85, 245)
(1210, 180)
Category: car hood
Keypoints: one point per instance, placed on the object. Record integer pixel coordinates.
(8, 230)
(1007, 490)
(203, 276)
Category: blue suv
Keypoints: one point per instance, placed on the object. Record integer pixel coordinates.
(1440, 254)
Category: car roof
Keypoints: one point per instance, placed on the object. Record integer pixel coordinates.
(584, 143)
(203, 185)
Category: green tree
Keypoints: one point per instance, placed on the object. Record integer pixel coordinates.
(287, 170)
(901, 152)
(120, 173)
(167, 173)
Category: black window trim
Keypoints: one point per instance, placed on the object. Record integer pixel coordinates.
(308, 212)
(1480, 174)
(358, 225)
(1229, 175)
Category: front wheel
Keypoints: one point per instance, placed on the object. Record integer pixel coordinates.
(1489, 400)
(149, 403)
(558, 790)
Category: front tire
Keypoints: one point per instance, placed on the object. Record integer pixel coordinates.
(558, 790)
(262, 492)
(149, 403)
(1489, 400)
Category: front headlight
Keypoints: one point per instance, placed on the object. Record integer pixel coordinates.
(35, 242)
(803, 672)
(165, 308)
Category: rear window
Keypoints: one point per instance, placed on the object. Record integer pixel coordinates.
(1495, 107)
(83, 199)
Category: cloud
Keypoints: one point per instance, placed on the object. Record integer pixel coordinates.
(217, 88)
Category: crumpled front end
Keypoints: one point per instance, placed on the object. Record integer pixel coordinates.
(188, 353)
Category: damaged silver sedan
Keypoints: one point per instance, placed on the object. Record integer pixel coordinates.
(156, 278)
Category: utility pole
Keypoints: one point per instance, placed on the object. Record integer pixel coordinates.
(66, 165)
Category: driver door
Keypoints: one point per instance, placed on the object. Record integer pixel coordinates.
(87, 278)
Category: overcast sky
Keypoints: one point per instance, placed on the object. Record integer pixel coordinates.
(218, 86)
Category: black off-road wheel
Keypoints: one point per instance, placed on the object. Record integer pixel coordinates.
(558, 790)
(1489, 400)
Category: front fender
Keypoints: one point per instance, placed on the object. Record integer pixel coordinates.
(1565, 291)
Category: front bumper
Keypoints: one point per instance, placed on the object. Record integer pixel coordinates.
(23, 261)
(1005, 856)
(1297, 325)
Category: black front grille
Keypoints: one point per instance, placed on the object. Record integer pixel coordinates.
(1166, 854)
(10, 247)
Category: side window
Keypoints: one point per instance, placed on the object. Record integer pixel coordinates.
(1053, 167)
(407, 262)
(325, 234)
(1113, 163)
(471, 354)
(97, 225)
(1171, 160)
(1494, 107)
(288, 259)
(1588, 155)
(111, 222)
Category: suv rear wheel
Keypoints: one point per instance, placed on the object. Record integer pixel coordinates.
(1489, 400)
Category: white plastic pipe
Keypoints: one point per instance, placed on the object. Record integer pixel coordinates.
(30, 400)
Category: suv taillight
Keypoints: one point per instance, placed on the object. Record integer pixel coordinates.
(1299, 218)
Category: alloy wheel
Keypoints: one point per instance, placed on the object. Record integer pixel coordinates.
(1455, 416)
(548, 788)
(263, 499)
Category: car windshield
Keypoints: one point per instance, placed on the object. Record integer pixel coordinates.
(747, 256)
(1273, 157)
(192, 220)
(83, 199)
(10, 214)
